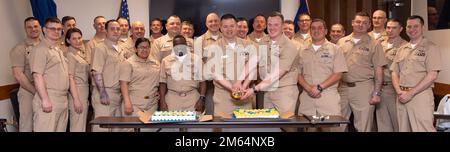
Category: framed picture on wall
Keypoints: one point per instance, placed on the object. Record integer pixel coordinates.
(438, 14)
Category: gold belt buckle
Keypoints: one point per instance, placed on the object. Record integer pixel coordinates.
(405, 88)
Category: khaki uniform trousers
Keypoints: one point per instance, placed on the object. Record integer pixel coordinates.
(140, 103)
(386, 111)
(55, 121)
(113, 109)
(356, 99)
(26, 110)
(326, 105)
(182, 100)
(283, 99)
(224, 104)
(417, 114)
(78, 120)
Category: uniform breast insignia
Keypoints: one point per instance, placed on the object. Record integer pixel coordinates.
(391, 54)
(325, 55)
(275, 50)
(364, 49)
(420, 53)
(244, 53)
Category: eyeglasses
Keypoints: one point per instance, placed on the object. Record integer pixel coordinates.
(54, 29)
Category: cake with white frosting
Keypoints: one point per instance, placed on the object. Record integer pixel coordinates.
(174, 116)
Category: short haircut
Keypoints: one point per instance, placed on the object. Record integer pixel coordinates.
(395, 20)
(413, 17)
(121, 17)
(321, 21)
(188, 23)
(304, 14)
(155, 19)
(67, 18)
(340, 25)
(141, 40)
(179, 37)
(52, 20)
(97, 17)
(174, 16)
(30, 19)
(69, 34)
(228, 16)
(241, 19)
(107, 23)
(277, 14)
(288, 22)
(260, 15)
(364, 14)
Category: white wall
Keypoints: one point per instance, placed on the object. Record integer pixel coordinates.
(440, 37)
(289, 8)
(86, 10)
(12, 14)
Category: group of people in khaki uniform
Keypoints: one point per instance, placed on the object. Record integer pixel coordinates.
(383, 80)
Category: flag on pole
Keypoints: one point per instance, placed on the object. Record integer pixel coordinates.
(124, 10)
(43, 9)
(302, 9)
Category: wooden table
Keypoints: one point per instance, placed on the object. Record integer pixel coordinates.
(217, 122)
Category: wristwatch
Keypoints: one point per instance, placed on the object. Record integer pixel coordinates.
(378, 93)
(202, 97)
(319, 88)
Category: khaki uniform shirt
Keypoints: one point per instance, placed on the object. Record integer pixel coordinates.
(162, 47)
(180, 82)
(361, 58)
(90, 46)
(106, 61)
(300, 39)
(78, 66)
(382, 37)
(128, 47)
(142, 75)
(413, 64)
(49, 61)
(20, 56)
(203, 42)
(252, 36)
(318, 66)
(62, 45)
(287, 53)
(390, 55)
(231, 59)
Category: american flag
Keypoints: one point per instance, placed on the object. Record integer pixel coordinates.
(124, 10)
(303, 8)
